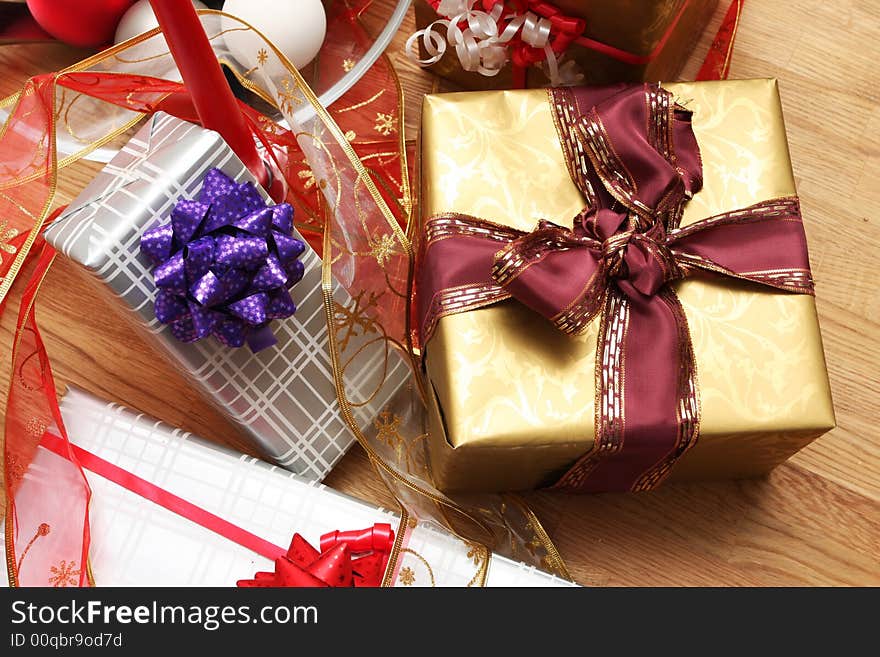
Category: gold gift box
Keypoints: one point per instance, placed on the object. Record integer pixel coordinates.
(639, 27)
(508, 409)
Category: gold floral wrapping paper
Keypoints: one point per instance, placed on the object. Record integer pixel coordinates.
(635, 26)
(513, 399)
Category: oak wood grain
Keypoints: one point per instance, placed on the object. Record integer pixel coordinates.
(816, 519)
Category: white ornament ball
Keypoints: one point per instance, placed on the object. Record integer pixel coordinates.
(296, 27)
(139, 19)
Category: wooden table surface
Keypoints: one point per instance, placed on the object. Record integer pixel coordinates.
(816, 519)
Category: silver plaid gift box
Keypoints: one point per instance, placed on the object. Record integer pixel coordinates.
(283, 396)
(135, 542)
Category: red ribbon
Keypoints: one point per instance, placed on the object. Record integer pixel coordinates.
(716, 66)
(159, 496)
(300, 565)
(334, 565)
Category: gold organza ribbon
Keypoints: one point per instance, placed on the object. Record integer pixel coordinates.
(361, 210)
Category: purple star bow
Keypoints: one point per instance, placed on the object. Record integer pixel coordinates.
(224, 264)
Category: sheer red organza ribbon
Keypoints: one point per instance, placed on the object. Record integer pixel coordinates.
(47, 512)
(716, 66)
(634, 157)
(47, 529)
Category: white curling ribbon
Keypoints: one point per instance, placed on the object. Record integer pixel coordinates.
(568, 73)
(481, 47)
(481, 27)
(535, 31)
(475, 45)
(552, 68)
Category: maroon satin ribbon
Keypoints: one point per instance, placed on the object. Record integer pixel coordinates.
(633, 154)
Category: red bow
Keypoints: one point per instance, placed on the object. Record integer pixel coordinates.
(304, 566)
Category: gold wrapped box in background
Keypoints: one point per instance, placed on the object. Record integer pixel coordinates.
(638, 27)
(513, 402)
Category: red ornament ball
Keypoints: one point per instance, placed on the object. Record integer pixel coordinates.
(85, 23)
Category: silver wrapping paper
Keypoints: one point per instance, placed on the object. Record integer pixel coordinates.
(283, 397)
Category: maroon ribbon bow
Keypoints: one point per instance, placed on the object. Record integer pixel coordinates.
(334, 565)
(632, 153)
